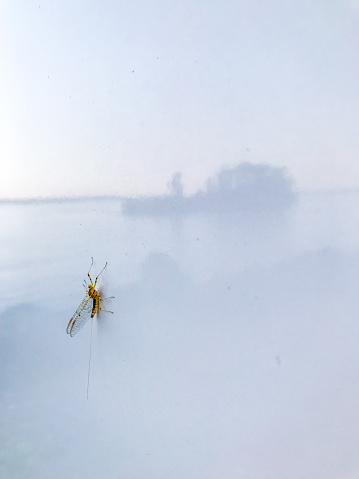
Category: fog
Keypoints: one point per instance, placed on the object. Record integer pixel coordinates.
(232, 351)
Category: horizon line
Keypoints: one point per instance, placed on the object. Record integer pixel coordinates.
(58, 199)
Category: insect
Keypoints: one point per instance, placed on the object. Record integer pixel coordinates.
(88, 308)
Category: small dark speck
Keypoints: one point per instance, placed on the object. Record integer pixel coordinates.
(228, 287)
(197, 239)
(279, 362)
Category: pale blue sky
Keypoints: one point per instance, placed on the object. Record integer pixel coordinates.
(112, 97)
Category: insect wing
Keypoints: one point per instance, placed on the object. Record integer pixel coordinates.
(81, 316)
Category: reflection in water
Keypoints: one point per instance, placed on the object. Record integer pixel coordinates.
(245, 189)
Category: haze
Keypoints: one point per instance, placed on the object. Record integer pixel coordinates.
(113, 97)
(232, 351)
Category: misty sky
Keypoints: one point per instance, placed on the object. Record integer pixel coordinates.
(112, 97)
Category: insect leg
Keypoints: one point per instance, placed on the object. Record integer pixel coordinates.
(99, 274)
(88, 274)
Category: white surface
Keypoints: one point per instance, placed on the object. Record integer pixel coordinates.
(233, 350)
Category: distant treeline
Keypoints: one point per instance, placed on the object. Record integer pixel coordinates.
(242, 188)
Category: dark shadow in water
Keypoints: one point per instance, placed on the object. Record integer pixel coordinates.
(162, 283)
(306, 287)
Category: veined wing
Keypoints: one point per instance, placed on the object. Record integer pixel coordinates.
(81, 316)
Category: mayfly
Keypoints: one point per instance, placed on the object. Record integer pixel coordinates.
(88, 308)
